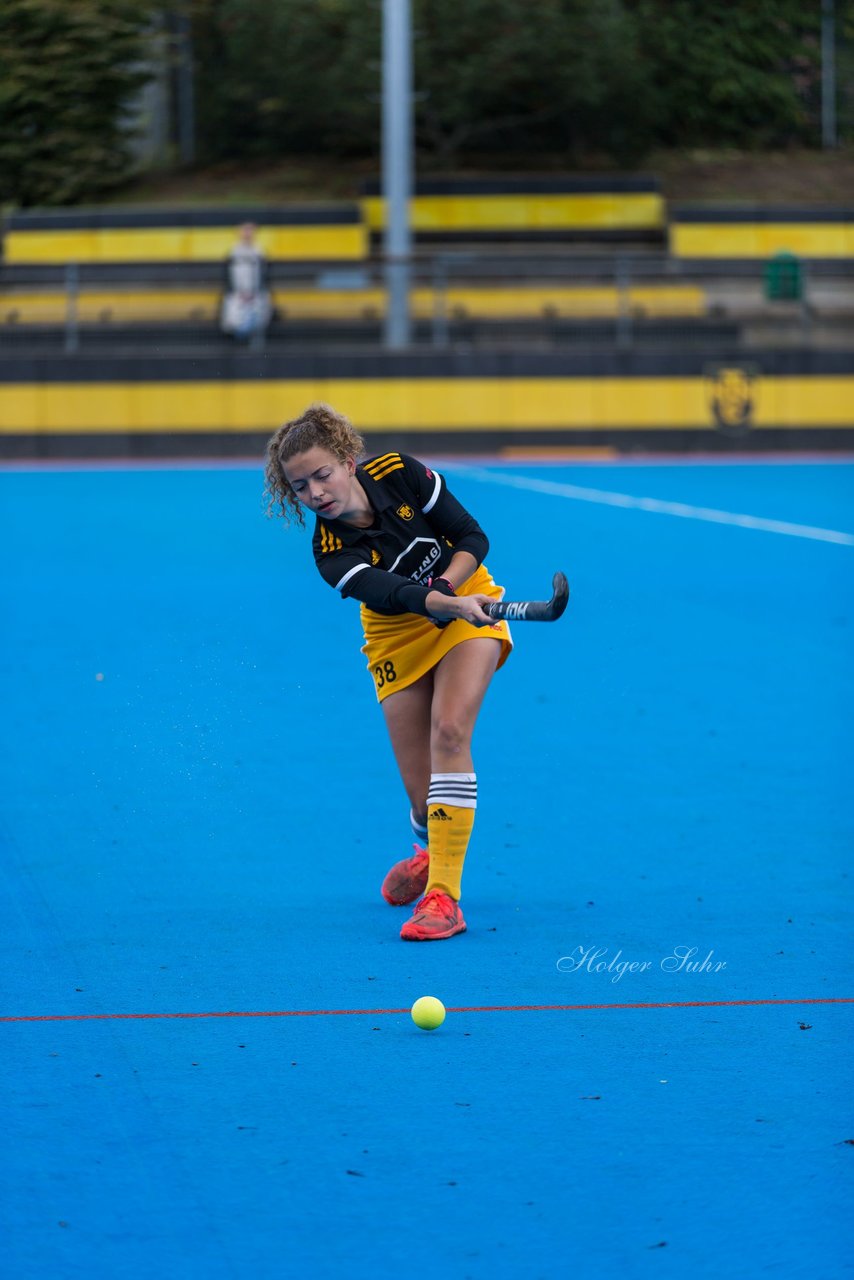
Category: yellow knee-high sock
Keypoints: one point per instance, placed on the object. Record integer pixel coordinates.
(451, 804)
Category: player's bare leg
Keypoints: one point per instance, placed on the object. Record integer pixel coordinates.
(460, 683)
(407, 716)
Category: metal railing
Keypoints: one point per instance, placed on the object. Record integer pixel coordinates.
(461, 297)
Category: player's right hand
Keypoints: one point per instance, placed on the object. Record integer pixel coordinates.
(444, 609)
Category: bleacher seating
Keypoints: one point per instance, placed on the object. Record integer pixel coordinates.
(760, 231)
(113, 234)
(120, 275)
(531, 208)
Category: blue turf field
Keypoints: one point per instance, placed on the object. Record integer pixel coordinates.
(199, 806)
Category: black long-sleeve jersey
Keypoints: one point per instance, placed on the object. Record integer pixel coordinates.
(419, 526)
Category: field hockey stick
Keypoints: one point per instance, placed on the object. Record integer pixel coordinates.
(533, 610)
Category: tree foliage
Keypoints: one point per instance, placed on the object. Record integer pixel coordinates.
(502, 78)
(499, 76)
(741, 74)
(67, 70)
(496, 81)
(276, 76)
(290, 76)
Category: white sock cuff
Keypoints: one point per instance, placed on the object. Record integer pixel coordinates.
(453, 788)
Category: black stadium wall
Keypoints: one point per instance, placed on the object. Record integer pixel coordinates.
(88, 405)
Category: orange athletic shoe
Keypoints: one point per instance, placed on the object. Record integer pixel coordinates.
(407, 879)
(437, 915)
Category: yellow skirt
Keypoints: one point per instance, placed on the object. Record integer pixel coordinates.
(403, 648)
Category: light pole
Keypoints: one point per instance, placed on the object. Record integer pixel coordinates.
(828, 76)
(397, 166)
(185, 87)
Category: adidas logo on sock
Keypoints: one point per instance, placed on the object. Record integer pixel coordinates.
(439, 815)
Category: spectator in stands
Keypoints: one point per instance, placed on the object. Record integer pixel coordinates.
(246, 305)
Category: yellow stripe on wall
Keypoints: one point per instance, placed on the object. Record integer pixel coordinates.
(427, 404)
(182, 244)
(761, 239)
(525, 212)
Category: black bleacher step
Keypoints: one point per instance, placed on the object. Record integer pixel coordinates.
(452, 268)
(146, 339)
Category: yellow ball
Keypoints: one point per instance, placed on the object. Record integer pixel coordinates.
(428, 1013)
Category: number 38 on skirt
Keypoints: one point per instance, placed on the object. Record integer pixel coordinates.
(384, 673)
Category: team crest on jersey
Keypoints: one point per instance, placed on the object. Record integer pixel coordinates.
(375, 556)
(732, 398)
(405, 511)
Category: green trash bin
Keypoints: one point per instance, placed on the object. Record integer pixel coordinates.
(783, 278)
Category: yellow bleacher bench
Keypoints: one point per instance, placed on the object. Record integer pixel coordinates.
(760, 231)
(533, 207)
(134, 305)
(298, 232)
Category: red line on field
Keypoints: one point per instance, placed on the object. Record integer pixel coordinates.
(254, 462)
(374, 1013)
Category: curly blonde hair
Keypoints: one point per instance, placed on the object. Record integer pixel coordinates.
(318, 426)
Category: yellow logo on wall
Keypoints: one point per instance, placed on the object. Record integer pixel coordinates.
(732, 397)
(405, 511)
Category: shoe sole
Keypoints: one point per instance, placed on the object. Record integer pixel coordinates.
(434, 937)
